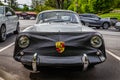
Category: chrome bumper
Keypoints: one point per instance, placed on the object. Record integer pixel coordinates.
(85, 60)
(34, 62)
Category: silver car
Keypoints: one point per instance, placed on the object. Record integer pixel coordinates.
(9, 22)
(117, 26)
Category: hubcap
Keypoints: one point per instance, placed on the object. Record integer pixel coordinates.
(3, 33)
(105, 25)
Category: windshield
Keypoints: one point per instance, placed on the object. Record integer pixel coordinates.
(1, 10)
(57, 16)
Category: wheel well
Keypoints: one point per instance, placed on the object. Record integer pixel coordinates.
(3, 25)
(83, 22)
(18, 23)
(106, 22)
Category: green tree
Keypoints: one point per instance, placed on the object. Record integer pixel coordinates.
(102, 6)
(59, 4)
(51, 3)
(13, 4)
(117, 4)
(66, 4)
(1, 3)
(25, 8)
(82, 6)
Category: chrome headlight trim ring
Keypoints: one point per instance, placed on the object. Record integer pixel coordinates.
(23, 41)
(96, 41)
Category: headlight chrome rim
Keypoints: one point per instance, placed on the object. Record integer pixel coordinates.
(96, 41)
(23, 41)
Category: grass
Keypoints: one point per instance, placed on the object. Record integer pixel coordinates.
(112, 15)
(117, 8)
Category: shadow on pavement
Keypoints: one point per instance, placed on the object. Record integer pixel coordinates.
(110, 29)
(63, 74)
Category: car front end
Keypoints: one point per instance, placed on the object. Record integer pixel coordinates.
(59, 43)
(60, 49)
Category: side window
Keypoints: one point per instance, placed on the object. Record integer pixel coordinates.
(7, 9)
(90, 16)
(40, 18)
(87, 16)
(95, 17)
(12, 11)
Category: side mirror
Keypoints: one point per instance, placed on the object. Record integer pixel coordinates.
(8, 13)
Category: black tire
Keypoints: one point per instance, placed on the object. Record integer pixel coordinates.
(17, 31)
(2, 33)
(83, 23)
(97, 27)
(105, 25)
(91, 66)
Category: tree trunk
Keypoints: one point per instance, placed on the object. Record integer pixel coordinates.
(60, 4)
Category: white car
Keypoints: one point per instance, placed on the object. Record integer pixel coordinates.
(117, 26)
(8, 22)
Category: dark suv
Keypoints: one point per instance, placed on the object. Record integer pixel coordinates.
(93, 20)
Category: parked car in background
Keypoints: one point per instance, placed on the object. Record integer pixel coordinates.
(8, 22)
(117, 26)
(58, 39)
(93, 20)
(26, 15)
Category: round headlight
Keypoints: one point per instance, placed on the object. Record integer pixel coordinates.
(96, 41)
(23, 41)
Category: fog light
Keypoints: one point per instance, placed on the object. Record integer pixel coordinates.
(22, 53)
(98, 53)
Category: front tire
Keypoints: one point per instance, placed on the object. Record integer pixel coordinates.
(83, 23)
(106, 25)
(2, 33)
(97, 27)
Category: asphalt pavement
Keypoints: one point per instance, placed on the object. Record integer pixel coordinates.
(109, 70)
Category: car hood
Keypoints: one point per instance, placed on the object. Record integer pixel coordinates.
(58, 27)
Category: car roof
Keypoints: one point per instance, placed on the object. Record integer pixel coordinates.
(86, 14)
(57, 10)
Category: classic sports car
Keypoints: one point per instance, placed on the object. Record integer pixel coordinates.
(59, 40)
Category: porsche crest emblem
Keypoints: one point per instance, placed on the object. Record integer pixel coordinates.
(60, 47)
